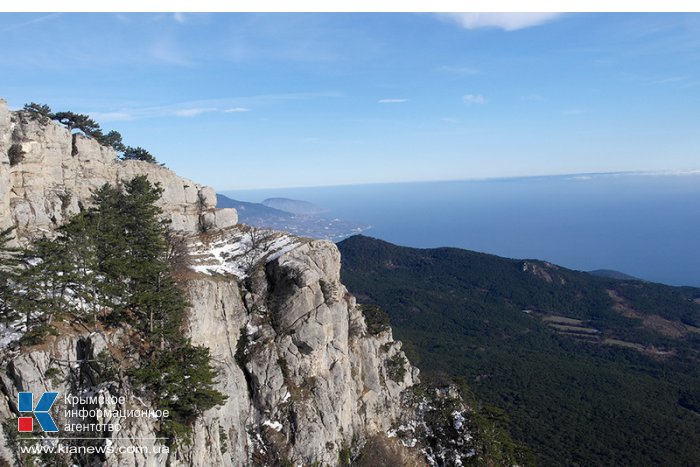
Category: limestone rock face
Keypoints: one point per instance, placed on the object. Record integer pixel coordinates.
(304, 378)
(57, 171)
(318, 378)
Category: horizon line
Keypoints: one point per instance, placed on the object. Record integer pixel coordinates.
(669, 172)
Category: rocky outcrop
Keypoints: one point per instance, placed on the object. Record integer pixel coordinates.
(47, 173)
(305, 380)
(318, 378)
(303, 376)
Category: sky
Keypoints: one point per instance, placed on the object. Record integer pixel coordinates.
(241, 101)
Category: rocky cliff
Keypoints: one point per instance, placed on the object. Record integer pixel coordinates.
(304, 378)
(46, 173)
(306, 381)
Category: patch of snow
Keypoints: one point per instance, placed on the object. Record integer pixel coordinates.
(277, 426)
(8, 334)
(263, 448)
(286, 397)
(409, 443)
(285, 249)
(238, 250)
(457, 420)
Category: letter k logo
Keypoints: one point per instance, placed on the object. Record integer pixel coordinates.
(41, 411)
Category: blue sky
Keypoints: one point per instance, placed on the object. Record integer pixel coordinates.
(275, 100)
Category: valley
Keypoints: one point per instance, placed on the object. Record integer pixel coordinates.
(590, 370)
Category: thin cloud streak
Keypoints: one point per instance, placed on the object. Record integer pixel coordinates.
(505, 21)
(194, 108)
(193, 112)
(391, 101)
(111, 116)
(470, 99)
(32, 21)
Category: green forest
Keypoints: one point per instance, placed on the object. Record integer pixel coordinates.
(590, 370)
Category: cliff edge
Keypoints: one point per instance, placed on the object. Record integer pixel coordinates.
(308, 378)
(47, 173)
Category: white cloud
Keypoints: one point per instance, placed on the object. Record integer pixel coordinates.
(179, 17)
(473, 99)
(193, 112)
(672, 79)
(391, 101)
(505, 21)
(237, 110)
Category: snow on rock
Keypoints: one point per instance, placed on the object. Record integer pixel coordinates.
(250, 329)
(8, 334)
(236, 250)
(275, 425)
(458, 420)
(286, 397)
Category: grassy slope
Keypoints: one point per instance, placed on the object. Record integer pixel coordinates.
(573, 402)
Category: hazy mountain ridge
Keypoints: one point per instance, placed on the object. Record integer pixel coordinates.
(294, 206)
(304, 219)
(612, 274)
(251, 210)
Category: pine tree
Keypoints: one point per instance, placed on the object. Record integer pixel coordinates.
(111, 249)
(44, 282)
(181, 381)
(117, 257)
(79, 237)
(80, 122)
(38, 112)
(9, 266)
(112, 139)
(138, 154)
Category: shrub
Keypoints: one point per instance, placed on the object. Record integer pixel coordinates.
(15, 154)
(223, 440)
(377, 320)
(54, 375)
(65, 199)
(37, 334)
(381, 450)
(396, 368)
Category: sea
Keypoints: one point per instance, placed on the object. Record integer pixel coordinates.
(645, 225)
